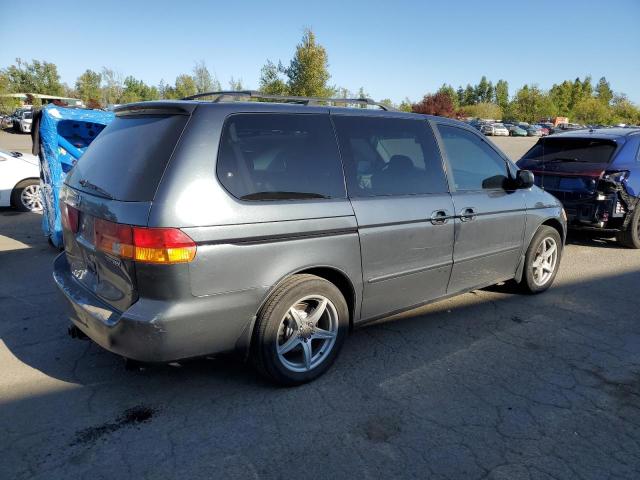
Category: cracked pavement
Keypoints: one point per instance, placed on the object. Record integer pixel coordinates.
(488, 385)
(491, 384)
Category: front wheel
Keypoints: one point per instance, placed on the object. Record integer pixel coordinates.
(300, 330)
(542, 260)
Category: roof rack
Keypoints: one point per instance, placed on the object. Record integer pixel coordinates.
(254, 94)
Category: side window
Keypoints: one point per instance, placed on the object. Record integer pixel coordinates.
(389, 156)
(265, 156)
(474, 164)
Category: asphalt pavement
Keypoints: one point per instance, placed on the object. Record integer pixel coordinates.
(491, 384)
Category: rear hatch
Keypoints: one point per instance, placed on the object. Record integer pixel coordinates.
(569, 167)
(108, 195)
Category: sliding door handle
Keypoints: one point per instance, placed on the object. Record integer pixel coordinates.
(439, 217)
(467, 214)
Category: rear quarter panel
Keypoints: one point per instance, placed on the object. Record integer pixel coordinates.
(242, 245)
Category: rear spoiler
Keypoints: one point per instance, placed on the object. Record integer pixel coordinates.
(155, 108)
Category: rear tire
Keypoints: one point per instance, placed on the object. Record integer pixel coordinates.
(26, 197)
(300, 330)
(630, 237)
(542, 260)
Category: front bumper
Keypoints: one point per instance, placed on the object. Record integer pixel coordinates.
(153, 330)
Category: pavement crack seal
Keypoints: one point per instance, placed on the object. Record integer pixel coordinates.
(132, 416)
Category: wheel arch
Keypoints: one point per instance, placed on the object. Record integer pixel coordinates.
(330, 273)
(555, 223)
(17, 185)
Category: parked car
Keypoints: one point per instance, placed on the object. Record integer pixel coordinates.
(596, 175)
(486, 129)
(20, 181)
(516, 131)
(23, 121)
(544, 131)
(500, 130)
(192, 228)
(534, 131)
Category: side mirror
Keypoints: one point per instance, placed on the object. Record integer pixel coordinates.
(524, 179)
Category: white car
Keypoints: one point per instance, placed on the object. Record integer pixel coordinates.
(23, 121)
(20, 181)
(500, 130)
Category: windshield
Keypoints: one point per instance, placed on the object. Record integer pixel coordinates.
(585, 150)
(498, 125)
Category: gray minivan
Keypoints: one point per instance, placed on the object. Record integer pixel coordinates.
(198, 227)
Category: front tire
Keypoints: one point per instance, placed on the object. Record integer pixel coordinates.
(542, 260)
(26, 197)
(300, 330)
(630, 237)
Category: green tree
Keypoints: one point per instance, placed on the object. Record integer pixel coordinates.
(577, 93)
(587, 87)
(470, 97)
(271, 79)
(137, 91)
(490, 96)
(88, 87)
(502, 94)
(483, 110)
(111, 86)
(623, 111)
(561, 97)
(308, 73)
(448, 90)
(203, 80)
(460, 95)
(531, 104)
(603, 91)
(185, 86)
(406, 105)
(235, 85)
(35, 77)
(483, 93)
(591, 111)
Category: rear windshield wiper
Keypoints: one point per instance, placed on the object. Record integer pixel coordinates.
(281, 196)
(101, 191)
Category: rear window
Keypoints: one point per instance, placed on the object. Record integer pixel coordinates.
(561, 150)
(280, 157)
(126, 161)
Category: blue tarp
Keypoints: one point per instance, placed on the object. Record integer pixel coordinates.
(65, 133)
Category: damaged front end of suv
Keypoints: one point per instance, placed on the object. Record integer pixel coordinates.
(596, 175)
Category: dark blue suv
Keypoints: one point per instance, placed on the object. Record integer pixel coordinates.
(596, 175)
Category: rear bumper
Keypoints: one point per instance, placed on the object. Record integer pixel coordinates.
(154, 330)
(599, 212)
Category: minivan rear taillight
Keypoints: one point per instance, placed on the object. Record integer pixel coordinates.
(69, 216)
(147, 245)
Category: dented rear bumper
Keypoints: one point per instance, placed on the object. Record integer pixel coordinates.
(153, 330)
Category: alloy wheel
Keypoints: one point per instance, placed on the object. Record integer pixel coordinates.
(307, 333)
(31, 199)
(545, 260)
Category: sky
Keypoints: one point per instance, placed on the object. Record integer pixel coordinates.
(394, 49)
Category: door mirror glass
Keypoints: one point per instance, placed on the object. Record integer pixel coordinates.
(524, 179)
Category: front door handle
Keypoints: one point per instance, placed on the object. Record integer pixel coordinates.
(467, 214)
(439, 217)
